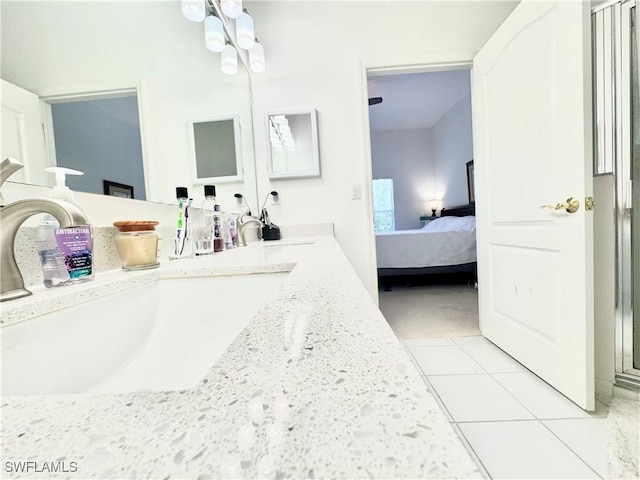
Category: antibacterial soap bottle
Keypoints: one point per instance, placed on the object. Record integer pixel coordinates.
(75, 243)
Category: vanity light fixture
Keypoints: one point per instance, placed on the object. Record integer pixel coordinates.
(229, 60)
(214, 34)
(194, 10)
(276, 141)
(232, 8)
(280, 133)
(256, 58)
(245, 34)
(218, 34)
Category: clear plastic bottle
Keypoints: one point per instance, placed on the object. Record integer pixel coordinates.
(182, 243)
(218, 241)
(204, 230)
(54, 270)
(232, 240)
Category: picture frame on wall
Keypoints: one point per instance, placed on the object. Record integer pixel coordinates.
(116, 189)
(470, 182)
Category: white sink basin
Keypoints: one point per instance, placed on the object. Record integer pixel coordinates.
(162, 336)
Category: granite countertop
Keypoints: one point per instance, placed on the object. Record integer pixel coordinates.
(346, 403)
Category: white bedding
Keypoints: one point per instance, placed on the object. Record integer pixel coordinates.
(442, 242)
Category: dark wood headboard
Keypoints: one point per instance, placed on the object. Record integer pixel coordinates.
(462, 211)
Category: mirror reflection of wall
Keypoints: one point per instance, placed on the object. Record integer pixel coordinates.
(216, 150)
(293, 144)
(102, 139)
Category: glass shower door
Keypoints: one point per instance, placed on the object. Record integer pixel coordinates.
(635, 192)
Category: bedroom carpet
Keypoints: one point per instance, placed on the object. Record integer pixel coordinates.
(428, 311)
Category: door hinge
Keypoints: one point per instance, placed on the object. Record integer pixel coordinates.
(589, 203)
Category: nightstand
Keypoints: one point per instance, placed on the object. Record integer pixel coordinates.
(424, 219)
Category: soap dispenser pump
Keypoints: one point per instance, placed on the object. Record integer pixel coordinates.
(60, 190)
(75, 244)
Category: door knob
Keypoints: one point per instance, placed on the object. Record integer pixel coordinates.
(572, 205)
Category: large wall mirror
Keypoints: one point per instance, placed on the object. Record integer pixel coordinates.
(78, 50)
(293, 144)
(216, 152)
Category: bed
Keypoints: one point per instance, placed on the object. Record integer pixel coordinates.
(442, 251)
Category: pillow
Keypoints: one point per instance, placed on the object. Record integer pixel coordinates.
(466, 223)
(441, 224)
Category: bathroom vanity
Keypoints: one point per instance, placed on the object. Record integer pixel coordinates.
(315, 385)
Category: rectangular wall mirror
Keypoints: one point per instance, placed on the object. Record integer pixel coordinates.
(216, 150)
(293, 144)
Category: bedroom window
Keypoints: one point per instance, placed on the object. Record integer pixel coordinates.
(383, 217)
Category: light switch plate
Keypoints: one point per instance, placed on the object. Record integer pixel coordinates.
(355, 191)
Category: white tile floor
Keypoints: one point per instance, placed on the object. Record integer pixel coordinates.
(515, 425)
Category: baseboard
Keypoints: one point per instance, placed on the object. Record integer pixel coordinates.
(620, 392)
(604, 391)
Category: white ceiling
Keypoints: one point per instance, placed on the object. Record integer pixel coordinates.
(415, 100)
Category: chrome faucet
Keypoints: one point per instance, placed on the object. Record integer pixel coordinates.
(242, 226)
(12, 216)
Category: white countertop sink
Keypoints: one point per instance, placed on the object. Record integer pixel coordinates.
(163, 335)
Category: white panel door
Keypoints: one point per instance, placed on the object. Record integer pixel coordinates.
(23, 134)
(532, 142)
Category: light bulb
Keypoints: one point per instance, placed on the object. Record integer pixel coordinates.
(214, 34)
(244, 31)
(194, 10)
(229, 60)
(232, 8)
(256, 58)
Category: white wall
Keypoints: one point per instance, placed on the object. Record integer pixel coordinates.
(54, 48)
(406, 157)
(101, 210)
(316, 55)
(102, 139)
(604, 267)
(452, 149)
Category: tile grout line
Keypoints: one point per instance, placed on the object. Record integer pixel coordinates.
(525, 407)
(472, 359)
(438, 400)
(571, 449)
(500, 421)
(474, 455)
(456, 424)
(463, 351)
(535, 417)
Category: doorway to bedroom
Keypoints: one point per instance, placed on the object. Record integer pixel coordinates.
(423, 202)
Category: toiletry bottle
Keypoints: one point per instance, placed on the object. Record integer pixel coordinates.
(75, 243)
(204, 230)
(182, 247)
(233, 236)
(218, 241)
(54, 270)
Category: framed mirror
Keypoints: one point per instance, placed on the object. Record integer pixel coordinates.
(216, 150)
(293, 144)
(57, 56)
